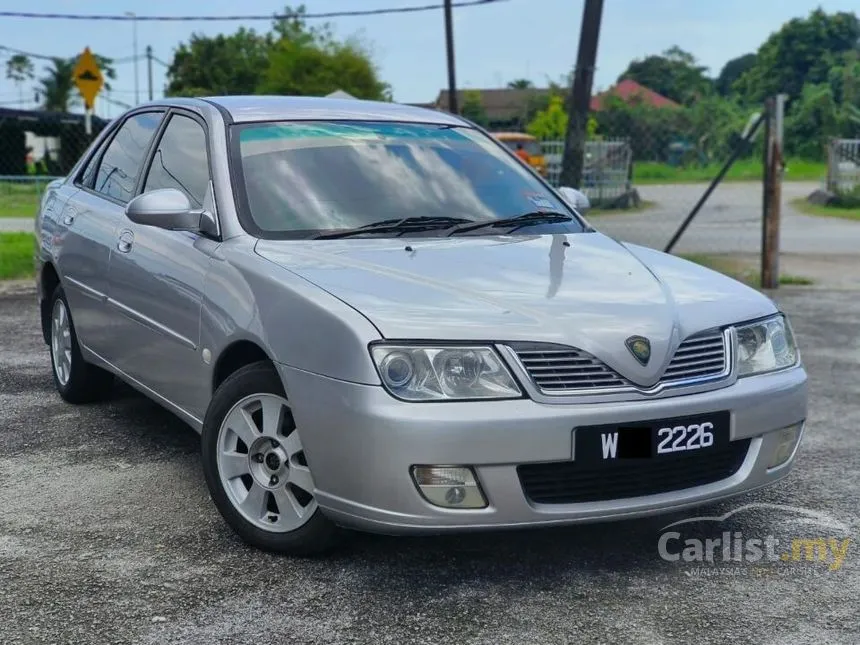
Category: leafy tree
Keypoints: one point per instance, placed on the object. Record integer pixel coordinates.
(317, 70)
(732, 71)
(520, 84)
(551, 123)
(19, 68)
(57, 86)
(473, 108)
(292, 58)
(675, 74)
(219, 65)
(803, 51)
(812, 121)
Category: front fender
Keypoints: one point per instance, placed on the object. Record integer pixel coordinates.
(295, 322)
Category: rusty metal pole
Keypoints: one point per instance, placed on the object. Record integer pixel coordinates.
(773, 195)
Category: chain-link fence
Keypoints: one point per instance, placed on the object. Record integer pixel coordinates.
(843, 167)
(646, 177)
(36, 147)
(606, 176)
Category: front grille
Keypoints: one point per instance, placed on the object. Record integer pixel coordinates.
(567, 482)
(699, 356)
(558, 368)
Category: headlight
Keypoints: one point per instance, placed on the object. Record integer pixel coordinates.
(766, 346)
(443, 373)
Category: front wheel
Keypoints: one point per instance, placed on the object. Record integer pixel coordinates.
(256, 469)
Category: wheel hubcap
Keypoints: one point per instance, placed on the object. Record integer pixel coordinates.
(262, 466)
(61, 342)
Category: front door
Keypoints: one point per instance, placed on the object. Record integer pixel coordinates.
(156, 277)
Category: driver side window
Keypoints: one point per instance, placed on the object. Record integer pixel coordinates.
(181, 160)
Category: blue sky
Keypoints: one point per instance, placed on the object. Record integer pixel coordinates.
(535, 39)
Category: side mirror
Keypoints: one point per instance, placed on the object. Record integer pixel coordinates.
(576, 198)
(167, 208)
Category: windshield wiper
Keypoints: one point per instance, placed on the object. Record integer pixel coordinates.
(398, 225)
(526, 219)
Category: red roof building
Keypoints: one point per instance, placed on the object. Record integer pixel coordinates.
(630, 91)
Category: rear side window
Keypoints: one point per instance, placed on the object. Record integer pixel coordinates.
(181, 160)
(120, 166)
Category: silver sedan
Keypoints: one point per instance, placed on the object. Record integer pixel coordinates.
(378, 318)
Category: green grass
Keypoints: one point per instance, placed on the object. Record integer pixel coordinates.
(16, 255)
(20, 199)
(649, 172)
(742, 270)
(826, 211)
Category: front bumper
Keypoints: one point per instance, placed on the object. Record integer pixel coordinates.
(361, 443)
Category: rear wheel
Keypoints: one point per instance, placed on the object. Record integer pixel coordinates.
(256, 469)
(76, 380)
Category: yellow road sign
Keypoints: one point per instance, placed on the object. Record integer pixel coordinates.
(88, 77)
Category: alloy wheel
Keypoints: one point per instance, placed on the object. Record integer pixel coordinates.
(61, 342)
(261, 464)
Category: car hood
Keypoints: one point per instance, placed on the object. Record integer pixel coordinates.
(582, 290)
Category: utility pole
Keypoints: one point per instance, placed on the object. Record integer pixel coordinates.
(134, 46)
(449, 45)
(773, 168)
(580, 95)
(149, 69)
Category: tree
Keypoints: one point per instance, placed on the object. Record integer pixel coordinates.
(674, 74)
(292, 58)
(812, 121)
(473, 108)
(19, 68)
(520, 84)
(732, 71)
(219, 65)
(317, 70)
(57, 86)
(803, 51)
(57, 89)
(550, 124)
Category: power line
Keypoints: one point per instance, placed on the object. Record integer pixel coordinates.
(330, 14)
(28, 54)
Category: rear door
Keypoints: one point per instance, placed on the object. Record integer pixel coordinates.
(88, 221)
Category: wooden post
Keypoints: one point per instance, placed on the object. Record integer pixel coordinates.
(773, 194)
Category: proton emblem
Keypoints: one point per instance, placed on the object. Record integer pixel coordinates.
(640, 347)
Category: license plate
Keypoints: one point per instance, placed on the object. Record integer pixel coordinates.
(658, 439)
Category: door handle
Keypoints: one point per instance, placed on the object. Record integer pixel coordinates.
(125, 241)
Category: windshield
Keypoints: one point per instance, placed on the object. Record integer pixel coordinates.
(300, 178)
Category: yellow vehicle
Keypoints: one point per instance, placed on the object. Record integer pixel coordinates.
(526, 147)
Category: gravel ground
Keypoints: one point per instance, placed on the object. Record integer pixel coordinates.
(107, 535)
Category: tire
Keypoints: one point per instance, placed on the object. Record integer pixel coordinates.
(255, 468)
(76, 380)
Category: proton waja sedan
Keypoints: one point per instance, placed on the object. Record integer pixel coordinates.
(379, 318)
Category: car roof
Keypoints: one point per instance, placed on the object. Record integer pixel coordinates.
(250, 109)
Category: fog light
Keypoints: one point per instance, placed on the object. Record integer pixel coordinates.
(786, 442)
(449, 486)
